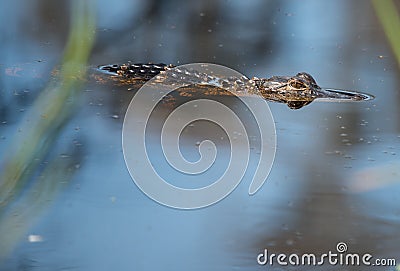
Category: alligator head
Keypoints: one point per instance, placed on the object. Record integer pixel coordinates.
(301, 89)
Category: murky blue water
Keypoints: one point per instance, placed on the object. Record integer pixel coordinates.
(336, 172)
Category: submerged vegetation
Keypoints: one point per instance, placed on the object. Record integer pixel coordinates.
(389, 17)
(27, 184)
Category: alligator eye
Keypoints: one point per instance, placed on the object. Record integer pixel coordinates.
(307, 77)
(297, 84)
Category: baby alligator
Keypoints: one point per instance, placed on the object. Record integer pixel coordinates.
(296, 91)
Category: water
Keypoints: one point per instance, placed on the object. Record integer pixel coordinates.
(335, 175)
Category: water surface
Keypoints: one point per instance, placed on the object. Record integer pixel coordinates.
(336, 173)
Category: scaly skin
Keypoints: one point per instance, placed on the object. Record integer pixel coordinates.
(296, 91)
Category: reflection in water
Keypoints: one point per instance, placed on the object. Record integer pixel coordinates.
(376, 177)
(307, 204)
